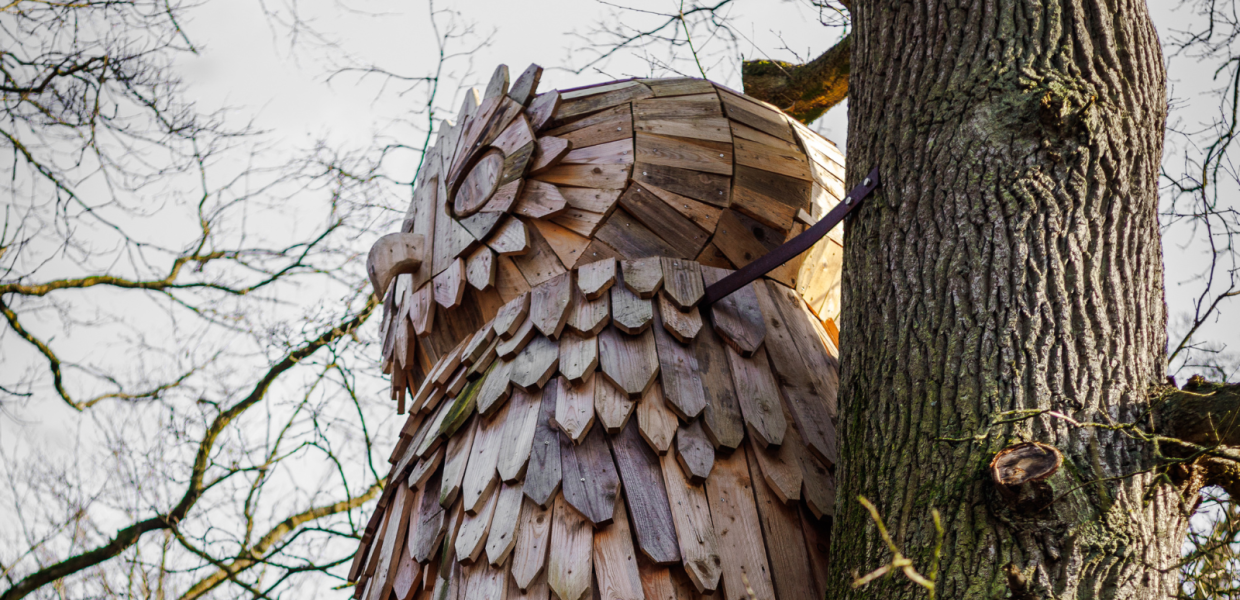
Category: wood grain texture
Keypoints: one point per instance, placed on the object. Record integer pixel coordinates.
(503, 198)
(589, 317)
(699, 548)
(738, 529)
(682, 282)
(542, 477)
(574, 409)
(540, 264)
(578, 356)
(711, 188)
(430, 523)
(694, 452)
(542, 107)
(535, 364)
(631, 239)
(643, 276)
(597, 201)
(819, 486)
(422, 309)
(495, 387)
(770, 198)
(481, 476)
(591, 483)
(476, 349)
(781, 527)
(576, 106)
(603, 177)
(481, 224)
(678, 371)
(684, 153)
(677, 231)
(758, 395)
(517, 134)
(511, 316)
(702, 214)
(678, 86)
(619, 152)
(475, 528)
(737, 317)
(743, 240)
(514, 453)
(759, 116)
(567, 244)
(608, 126)
(599, 250)
(456, 459)
(581, 222)
(781, 466)
(818, 547)
(486, 582)
(533, 538)
(630, 362)
(615, 562)
(569, 566)
(549, 304)
(503, 535)
(539, 200)
(510, 238)
(612, 406)
(682, 325)
(595, 278)
(629, 312)
(645, 494)
(806, 406)
(508, 349)
(548, 152)
(394, 540)
(426, 467)
(656, 422)
(790, 162)
(819, 357)
(721, 419)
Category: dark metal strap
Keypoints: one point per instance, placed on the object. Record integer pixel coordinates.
(793, 247)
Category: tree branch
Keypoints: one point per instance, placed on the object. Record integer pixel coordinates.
(254, 554)
(1203, 413)
(803, 91)
(129, 536)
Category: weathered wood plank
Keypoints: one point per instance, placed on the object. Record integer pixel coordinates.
(517, 134)
(631, 239)
(578, 356)
(590, 480)
(680, 86)
(579, 221)
(509, 281)
(643, 276)
(781, 527)
(481, 476)
(597, 201)
(566, 243)
(509, 318)
(574, 106)
(818, 546)
(602, 127)
(394, 539)
(540, 264)
(542, 107)
(721, 419)
(472, 535)
(509, 349)
(539, 200)
(589, 317)
(542, 477)
(682, 282)
(450, 285)
(570, 565)
(426, 467)
(758, 116)
(646, 495)
(807, 407)
(456, 459)
(612, 406)
(684, 326)
(615, 562)
(495, 387)
(631, 362)
(549, 304)
(548, 152)
(823, 366)
(480, 268)
(781, 466)
(738, 529)
(737, 318)
(699, 548)
(514, 453)
(676, 230)
(430, 527)
(759, 397)
(684, 153)
(574, 410)
(678, 371)
(655, 421)
(536, 363)
(776, 159)
(503, 536)
(619, 152)
(771, 198)
(630, 313)
(525, 85)
(819, 486)
(476, 349)
(710, 188)
(604, 177)
(533, 539)
(422, 309)
(694, 452)
(701, 213)
(510, 238)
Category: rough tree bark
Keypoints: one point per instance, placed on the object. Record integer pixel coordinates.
(1010, 262)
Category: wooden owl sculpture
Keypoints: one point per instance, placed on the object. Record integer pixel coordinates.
(579, 423)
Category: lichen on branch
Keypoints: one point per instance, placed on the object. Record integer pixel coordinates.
(803, 91)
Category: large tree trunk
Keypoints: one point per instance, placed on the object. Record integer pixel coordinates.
(1011, 261)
